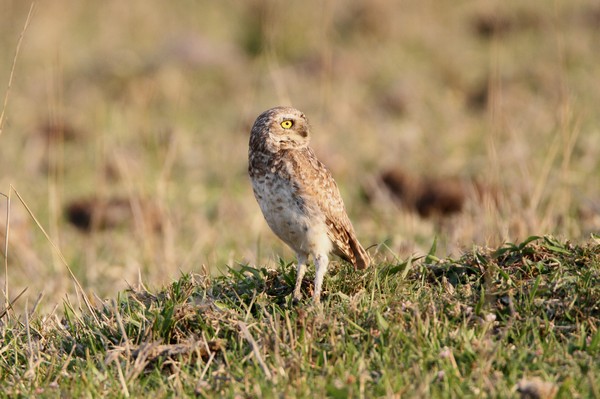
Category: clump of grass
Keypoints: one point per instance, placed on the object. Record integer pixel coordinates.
(463, 327)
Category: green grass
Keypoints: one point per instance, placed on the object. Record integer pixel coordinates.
(467, 327)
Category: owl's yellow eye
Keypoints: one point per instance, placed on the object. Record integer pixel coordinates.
(287, 124)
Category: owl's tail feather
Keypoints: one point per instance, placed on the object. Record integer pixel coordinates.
(360, 255)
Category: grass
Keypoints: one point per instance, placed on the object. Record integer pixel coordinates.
(151, 113)
(468, 327)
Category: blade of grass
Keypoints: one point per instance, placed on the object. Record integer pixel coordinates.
(10, 305)
(6, 233)
(431, 254)
(14, 64)
(244, 330)
(60, 255)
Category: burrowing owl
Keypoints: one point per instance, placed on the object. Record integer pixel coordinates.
(298, 196)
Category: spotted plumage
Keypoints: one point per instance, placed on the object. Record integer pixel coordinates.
(298, 196)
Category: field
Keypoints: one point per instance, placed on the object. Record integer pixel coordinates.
(136, 257)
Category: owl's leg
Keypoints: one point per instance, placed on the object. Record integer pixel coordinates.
(321, 263)
(300, 270)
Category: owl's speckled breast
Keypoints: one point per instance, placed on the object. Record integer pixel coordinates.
(300, 225)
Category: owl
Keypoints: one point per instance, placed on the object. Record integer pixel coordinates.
(298, 196)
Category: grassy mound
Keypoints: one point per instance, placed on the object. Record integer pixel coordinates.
(468, 327)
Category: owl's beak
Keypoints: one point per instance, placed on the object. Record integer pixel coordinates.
(303, 132)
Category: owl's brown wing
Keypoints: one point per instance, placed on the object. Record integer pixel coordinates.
(325, 192)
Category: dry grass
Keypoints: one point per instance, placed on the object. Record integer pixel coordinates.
(151, 103)
(519, 318)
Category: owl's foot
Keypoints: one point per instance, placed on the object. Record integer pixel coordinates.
(321, 262)
(300, 270)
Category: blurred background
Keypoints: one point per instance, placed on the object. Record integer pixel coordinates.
(127, 123)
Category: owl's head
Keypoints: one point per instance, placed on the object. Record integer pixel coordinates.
(281, 128)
